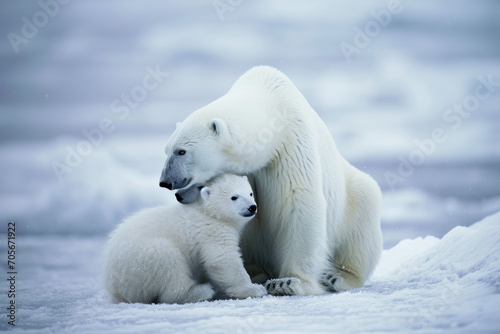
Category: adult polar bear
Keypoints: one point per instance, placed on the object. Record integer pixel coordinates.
(318, 226)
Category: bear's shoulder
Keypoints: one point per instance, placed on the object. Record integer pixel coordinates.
(263, 76)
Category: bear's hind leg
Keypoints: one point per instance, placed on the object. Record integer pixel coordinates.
(357, 245)
(335, 280)
(171, 276)
(195, 293)
(200, 292)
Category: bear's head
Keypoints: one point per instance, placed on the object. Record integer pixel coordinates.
(239, 133)
(196, 152)
(229, 198)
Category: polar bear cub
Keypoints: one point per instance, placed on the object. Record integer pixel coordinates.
(184, 253)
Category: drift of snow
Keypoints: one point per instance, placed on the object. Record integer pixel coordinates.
(426, 284)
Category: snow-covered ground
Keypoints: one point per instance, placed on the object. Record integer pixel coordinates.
(416, 106)
(427, 285)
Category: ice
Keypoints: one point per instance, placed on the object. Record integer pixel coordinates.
(426, 284)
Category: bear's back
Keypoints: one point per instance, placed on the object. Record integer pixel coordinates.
(176, 223)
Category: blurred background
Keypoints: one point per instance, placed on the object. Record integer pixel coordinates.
(90, 91)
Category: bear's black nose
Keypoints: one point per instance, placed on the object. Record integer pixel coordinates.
(178, 197)
(166, 185)
(252, 208)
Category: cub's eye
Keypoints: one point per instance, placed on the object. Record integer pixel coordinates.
(234, 198)
(251, 194)
(181, 152)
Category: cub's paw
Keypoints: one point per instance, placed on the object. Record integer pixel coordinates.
(253, 290)
(284, 286)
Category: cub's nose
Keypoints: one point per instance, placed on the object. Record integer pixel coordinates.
(252, 208)
(250, 212)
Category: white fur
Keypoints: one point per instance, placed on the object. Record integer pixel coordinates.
(319, 217)
(182, 253)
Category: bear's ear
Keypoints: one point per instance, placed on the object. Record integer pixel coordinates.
(177, 124)
(205, 192)
(219, 127)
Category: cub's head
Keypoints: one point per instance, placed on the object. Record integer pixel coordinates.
(229, 198)
(197, 151)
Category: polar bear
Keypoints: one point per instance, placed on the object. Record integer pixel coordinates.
(180, 253)
(318, 226)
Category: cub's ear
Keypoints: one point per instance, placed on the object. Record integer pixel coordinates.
(205, 192)
(177, 124)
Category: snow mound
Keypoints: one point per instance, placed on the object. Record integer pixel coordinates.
(456, 278)
(426, 285)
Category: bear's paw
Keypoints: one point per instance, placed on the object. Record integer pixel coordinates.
(329, 280)
(284, 286)
(252, 291)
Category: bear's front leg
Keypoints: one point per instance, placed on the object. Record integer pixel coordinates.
(224, 267)
(299, 246)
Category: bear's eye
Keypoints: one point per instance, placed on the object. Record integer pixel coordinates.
(251, 194)
(234, 198)
(181, 152)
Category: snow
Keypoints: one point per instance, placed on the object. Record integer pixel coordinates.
(424, 285)
(390, 97)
